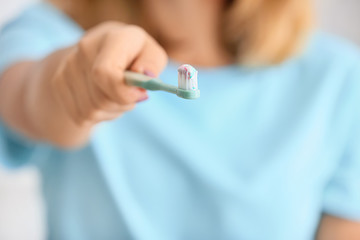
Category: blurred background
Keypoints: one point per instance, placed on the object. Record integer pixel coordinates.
(21, 207)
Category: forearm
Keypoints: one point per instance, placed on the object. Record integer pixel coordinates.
(28, 105)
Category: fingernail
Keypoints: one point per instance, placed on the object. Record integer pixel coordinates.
(149, 73)
(143, 99)
(141, 89)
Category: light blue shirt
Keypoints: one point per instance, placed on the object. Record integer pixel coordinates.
(261, 155)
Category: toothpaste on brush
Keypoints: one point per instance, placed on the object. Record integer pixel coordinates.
(187, 77)
(187, 82)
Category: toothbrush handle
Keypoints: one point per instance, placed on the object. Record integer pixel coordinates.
(149, 83)
(136, 79)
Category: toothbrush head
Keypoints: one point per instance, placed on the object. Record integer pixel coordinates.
(187, 82)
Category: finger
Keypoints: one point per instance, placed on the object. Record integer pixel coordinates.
(103, 102)
(99, 115)
(119, 51)
(151, 60)
(110, 82)
(85, 47)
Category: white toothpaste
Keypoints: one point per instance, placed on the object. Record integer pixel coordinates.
(187, 77)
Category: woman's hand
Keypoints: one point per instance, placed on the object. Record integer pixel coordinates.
(89, 84)
(60, 98)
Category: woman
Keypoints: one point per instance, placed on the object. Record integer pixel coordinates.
(269, 151)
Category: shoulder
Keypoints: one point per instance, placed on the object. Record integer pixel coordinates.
(328, 72)
(35, 33)
(328, 63)
(332, 53)
(335, 64)
(42, 20)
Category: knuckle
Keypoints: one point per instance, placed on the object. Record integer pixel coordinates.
(136, 30)
(57, 82)
(104, 105)
(100, 71)
(95, 114)
(128, 30)
(71, 64)
(81, 122)
(160, 51)
(81, 116)
(71, 113)
(130, 107)
(163, 56)
(82, 46)
(109, 23)
(110, 35)
(78, 121)
(124, 98)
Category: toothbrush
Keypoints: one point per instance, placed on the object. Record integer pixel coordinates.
(187, 82)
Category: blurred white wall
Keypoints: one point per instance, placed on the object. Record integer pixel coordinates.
(21, 206)
(21, 209)
(341, 17)
(8, 9)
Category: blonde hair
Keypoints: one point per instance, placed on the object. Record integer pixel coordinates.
(263, 32)
(256, 32)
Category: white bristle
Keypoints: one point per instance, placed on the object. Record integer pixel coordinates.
(187, 77)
